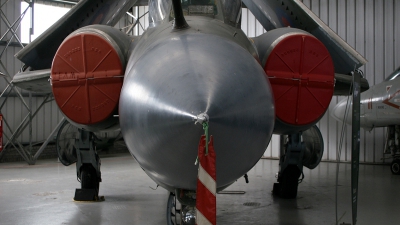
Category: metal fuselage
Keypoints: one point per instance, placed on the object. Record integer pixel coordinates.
(380, 105)
(174, 75)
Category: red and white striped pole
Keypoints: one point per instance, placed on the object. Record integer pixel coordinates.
(206, 203)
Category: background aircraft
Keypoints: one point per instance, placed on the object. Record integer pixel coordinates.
(380, 107)
(154, 87)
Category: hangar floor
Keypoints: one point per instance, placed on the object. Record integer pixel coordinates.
(42, 194)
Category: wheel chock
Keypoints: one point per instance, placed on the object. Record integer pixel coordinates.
(276, 190)
(87, 195)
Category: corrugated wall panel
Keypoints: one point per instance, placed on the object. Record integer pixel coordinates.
(23, 111)
(368, 137)
(9, 12)
(251, 30)
(314, 7)
(244, 20)
(350, 22)
(389, 37)
(396, 33)
(307, 2)
(14, 111)
(379, 72)
(13, 108)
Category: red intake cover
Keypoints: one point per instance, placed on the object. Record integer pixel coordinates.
(301, 73)
(87, 78)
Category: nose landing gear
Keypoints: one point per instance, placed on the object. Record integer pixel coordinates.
(183, 211)
(392, 147)
(87, 168)
(395, 166)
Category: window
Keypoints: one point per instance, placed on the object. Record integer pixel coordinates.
(199, 8)
(45, 16)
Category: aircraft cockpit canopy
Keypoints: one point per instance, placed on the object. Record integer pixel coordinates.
(199, 8)
(158, 11)
(232, 10)
(394, 75)
(228, 11)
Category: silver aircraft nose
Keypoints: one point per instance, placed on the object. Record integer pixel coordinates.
(339, 111)
(180, 77)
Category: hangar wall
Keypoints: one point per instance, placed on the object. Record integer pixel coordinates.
(13, 109)
(368, 25)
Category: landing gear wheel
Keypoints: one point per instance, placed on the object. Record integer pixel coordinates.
(173, 214)
(395, 167)
(89, 179)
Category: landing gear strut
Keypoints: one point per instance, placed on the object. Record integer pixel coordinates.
(183, 211)
(87, 168)
(395, 166)
(297, 150)
(290, 166)
(392, 147)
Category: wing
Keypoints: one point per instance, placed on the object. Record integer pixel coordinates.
(35, 81)
(343, 84)
(293, 13)
(39, 54)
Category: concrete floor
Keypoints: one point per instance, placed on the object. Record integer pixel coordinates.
(42, 194)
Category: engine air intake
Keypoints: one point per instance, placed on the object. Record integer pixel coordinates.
(87, 75)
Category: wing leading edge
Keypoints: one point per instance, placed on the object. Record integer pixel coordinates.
(39, 54)
(293, 13)
(35, 81)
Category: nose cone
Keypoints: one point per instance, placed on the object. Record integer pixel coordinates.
(339, 111)
(179, 78)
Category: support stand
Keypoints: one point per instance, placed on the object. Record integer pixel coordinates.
(392, 147)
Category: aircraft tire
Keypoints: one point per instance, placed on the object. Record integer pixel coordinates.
(89, 178)
(395, 166)
(171, 210)
(287, 187)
